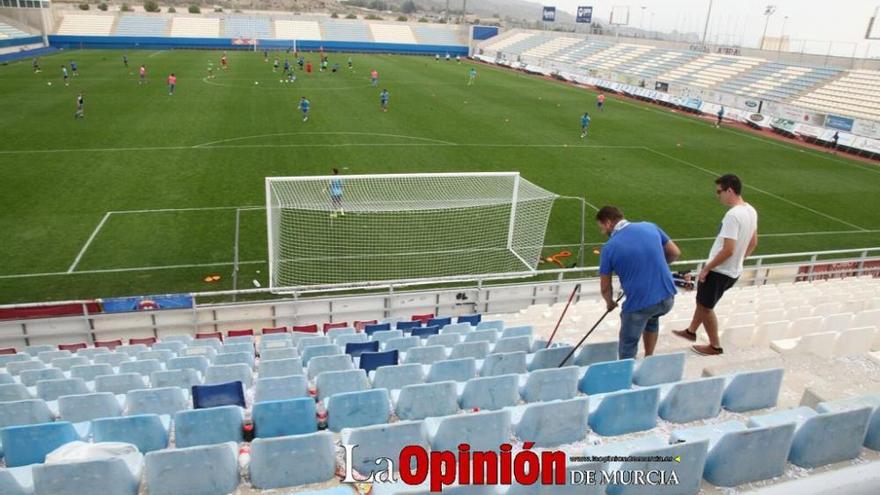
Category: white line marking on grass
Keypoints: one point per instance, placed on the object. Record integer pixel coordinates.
(307, 145)
(134, 269)
(768, 193)
(155, 53)
(89, 241)
(244, 138)
(203, 208)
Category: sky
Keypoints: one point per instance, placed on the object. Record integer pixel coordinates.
(741, 22)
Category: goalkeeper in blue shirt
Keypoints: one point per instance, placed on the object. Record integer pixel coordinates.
(336, 194)
(585, 124)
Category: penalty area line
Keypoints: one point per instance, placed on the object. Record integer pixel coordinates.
(89, 242)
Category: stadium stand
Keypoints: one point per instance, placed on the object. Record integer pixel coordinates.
(427, 35)
(854, 93)
(778, 82)
(551, 47)
(392, 33)
(139, 25)
(709, 70)
(7, 31)
(248, 27)
(346, 31)
(98, 25)
(195, 27)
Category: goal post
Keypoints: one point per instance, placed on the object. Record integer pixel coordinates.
(355, 230)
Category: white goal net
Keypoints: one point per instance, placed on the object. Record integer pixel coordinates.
(353, 230)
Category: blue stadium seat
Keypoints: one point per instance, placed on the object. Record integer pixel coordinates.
(14, 391)
(316, 340)
(596, 353)
(344, 340)
(484, 430)
(48, 356)
(239, 372)
(184, 379)
(282, 353)
(872, 435)
(281, 367)
(238, 340)
(86, 407)
(91, 352)
(275, 342)
(482, 336)
(13, 358)
(372, 360)
(504, 364)
(112, 359)
(428, 399)
(446, 340)
(356, 409)
(143, 367)
(206, 352)
(208, 426)
(402, 344)
(6, 378)
(738, 454)
(279, 418)
(551, 384)
(24, 412)
(428, 354)
(522, 343)
(607, 377)
(35, 350)
(172, 346)
(29, 444)
(320, 350)
(687, 401)
(237, 349)
(691, 460)
(30, 377)
(490, 393)
(53, 389)
(659, 368)
(306, 459)
(17, 481)
(208, 470)
(183, 338)
(394, 377)
(626, 411)
(440, 322)
(337, 382)
(88, 372)
(198, 363)
(476, 350)
(752, 390)
(212, 343)
(549, 358)
(161, 355)
(425, 332)
(15, 368)
(321, 364)
(384, 440)
(521, 331)
(355, 349)
(379, 327)
(147, 432)
(333, 333)
(107, 476)
(472, 320)
(64, 364)
(119, 384)
(386, 335)
(820, 438)
(460, 329)
(131, 349)
(220, 394)
(491, 324)
(554, 423)
(166, 400)
(281, 388)
(234, 358)
(407, 325)
(456, 370)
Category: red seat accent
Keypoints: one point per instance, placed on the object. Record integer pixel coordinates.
(305, 328)
(72, 347)
(8, 350)
(267, 331)
(360, 324)
(341, 324)
(422, 318)
(145, 341)
(210, 335)
(240, 333)
(110, 344)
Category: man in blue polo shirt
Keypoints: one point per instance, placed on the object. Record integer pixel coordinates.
(639, 253)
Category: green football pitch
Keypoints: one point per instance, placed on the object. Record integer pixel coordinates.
(149, 193)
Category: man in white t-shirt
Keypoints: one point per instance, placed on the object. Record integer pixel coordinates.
(736, 240)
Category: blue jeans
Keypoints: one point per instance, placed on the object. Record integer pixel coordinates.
(644, 320)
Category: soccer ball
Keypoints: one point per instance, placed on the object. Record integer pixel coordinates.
(256, 82)
(49, 83)
(281, 80)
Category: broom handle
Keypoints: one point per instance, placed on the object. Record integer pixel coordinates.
(570, 354)
(564, 310)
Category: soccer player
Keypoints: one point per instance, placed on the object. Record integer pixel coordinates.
(335, 68)
(308, 67)
(720, 116)
(224, 62)
(374, 77)
(383, 100)
(304, 106)
(142, 72)
(73, 68)
(585, 124)
(458, 58)
(447, 57)
(287, 66)
(80, 109)
(600, 101)
(265, 55)
(472, 76)
(291, 76)
(172, 81)
(210, 70)
(834, 139)
(436, 57)
(125, 60)
(277, 63)
(324, 64)
(336, 195)
(36, 65)
(300, 61)
(64, 75)
(350, 64)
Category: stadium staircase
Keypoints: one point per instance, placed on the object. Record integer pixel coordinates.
(764, 413)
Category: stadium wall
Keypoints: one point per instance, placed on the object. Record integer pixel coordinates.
(160, 43)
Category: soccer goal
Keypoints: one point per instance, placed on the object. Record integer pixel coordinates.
(359, 230)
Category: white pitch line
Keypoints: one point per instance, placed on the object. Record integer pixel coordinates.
(89, 241)
(768, 193)
(329, 133)
(134, 269)
(317, 145)
(202, 208)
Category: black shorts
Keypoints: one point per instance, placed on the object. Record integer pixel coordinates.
(710, 291)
